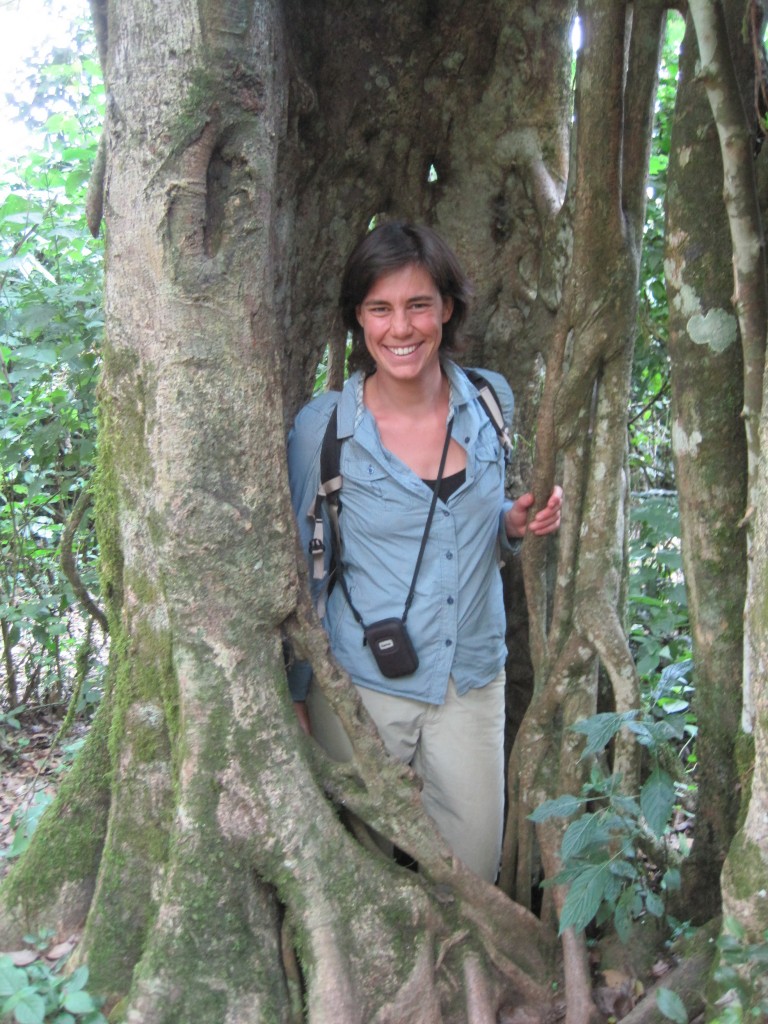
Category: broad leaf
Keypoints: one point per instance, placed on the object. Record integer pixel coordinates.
(587, 831)
(79, 1002)
(657, 798)
(671, 1005)
(27, 1005)
(12, 979)
(562, 807)
(600, 729)
(584, 897)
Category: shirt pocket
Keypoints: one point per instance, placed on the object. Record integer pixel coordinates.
(489, 464)
(369, 487)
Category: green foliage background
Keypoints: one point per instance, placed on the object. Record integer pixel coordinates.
(50, 330)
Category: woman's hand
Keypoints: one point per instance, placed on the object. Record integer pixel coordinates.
(546, 520)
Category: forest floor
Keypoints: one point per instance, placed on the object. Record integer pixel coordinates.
(32, 762)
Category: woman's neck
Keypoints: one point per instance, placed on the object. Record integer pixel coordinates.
(410, 398)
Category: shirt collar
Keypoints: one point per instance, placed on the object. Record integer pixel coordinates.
(351, 405)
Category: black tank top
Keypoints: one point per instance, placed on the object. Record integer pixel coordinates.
(448, 484)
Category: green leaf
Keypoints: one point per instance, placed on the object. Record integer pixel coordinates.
(562, 807)
(38, 353)
(12, 979)
(672, 880)
(624, 914)
(623, 869)
(78, 1002)
(671, 1005)
(27, 1005)
(600, 729)
(77, 980)
(587, 831)
(654, 904)
(584, 897)
(657, 798)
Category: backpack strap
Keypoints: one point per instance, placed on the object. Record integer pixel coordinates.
(328, 491)
(490, 403)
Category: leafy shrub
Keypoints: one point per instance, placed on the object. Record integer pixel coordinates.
(39, 994)
(50, 329)
(659, 629)
(742, 974)
(615, 855)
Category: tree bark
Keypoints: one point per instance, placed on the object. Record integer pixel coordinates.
(709, 446)
(583, 417)
(745, 873)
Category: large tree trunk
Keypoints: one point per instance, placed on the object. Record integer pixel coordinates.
(212, 854)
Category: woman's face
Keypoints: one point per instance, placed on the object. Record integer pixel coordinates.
(402, 318)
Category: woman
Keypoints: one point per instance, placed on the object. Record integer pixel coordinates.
(405, 410)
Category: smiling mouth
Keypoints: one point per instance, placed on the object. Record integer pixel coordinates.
(404, 351)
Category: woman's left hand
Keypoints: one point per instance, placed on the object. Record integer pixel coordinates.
(546, 520)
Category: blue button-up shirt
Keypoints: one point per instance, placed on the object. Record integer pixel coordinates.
(456, 621)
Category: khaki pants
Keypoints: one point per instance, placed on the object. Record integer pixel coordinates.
(457, 748)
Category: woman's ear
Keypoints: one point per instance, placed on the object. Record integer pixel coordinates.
(447, 308)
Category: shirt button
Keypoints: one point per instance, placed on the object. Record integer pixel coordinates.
(449, 555)
(446, 512)
(466, 440)
(450, 600)
(449, 643)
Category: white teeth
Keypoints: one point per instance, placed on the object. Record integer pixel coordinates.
(404, 351)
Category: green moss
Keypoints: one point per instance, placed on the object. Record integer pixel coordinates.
(746, 870)
(744, 753)
(193, 112)
(108, 531)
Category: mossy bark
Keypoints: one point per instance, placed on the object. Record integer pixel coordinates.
(711, 469)
(52, 885)
(723, 34)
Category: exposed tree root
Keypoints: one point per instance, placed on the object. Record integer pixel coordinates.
(688, 979)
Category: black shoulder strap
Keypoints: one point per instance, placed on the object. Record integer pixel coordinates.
(328, 491)
(330, 452)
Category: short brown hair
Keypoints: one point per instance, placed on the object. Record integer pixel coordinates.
(387, 248)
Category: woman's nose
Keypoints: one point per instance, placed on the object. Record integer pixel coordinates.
(400, 324)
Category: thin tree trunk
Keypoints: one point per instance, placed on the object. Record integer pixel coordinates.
(745, 874)
(710, 465)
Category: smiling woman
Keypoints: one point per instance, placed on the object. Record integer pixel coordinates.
(418, 433)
